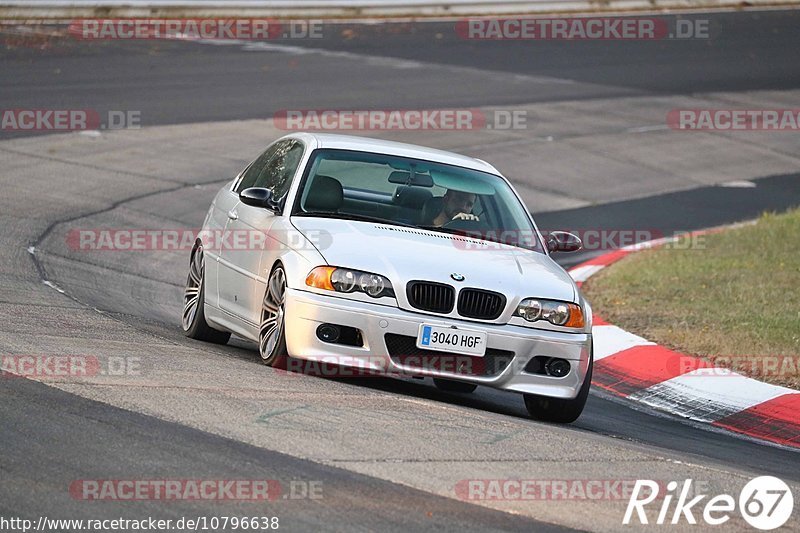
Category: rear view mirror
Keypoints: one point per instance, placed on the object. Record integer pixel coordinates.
(402, 177)
(562, 241)
(260, 197)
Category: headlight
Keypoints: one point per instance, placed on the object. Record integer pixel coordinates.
(372, 284)
(557, 313)
(344, 280)
(348, 280)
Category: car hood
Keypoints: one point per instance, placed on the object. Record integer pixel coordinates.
(403, 254)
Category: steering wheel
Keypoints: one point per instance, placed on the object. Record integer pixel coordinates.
(461, 224)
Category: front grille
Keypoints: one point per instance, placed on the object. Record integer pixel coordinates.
(476, 303)
(403, 351)
(429, 296)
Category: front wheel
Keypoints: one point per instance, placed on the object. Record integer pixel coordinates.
(193, 320)
(272, 330)
(559, 410)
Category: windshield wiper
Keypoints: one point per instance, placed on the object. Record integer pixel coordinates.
(351, 216)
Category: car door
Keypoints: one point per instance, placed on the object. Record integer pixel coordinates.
(247, 243)
(214, 229)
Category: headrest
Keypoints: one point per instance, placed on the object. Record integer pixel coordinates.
(408, 196)
(431, 209)
(325, 194)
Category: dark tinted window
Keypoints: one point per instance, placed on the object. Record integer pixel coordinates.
(274, 168)
(255, 168)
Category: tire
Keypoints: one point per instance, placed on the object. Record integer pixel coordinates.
(559, 410)
(272, 328)
(193, 319)
(454, 386)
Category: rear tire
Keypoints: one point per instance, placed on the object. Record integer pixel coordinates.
(454, 386)
(193, 320)
(559, 410)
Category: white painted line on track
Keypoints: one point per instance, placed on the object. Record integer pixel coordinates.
(645, 129)
(738, 184)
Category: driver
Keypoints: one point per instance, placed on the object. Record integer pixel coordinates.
(456, 205)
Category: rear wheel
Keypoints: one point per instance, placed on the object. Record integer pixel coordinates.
(193, 320)
(272, 330)
(454, 386)
(559, 410)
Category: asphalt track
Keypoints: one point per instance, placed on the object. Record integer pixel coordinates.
(171, 83)
(47, 444)
(384, 446)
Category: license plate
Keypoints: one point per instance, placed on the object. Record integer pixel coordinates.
(451, 340)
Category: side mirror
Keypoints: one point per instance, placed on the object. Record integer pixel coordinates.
(260, 197)
(561, 241)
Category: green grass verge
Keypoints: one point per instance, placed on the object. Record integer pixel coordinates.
(734, 297)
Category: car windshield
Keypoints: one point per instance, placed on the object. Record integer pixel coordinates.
(412, 192)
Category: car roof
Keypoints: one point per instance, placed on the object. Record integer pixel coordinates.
(380, 146)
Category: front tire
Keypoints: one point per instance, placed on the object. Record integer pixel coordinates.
(193, 320)
(272, 329)
(559, 410)
(454, 386)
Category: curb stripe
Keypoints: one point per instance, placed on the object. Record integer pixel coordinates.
(639, 367)
(582, 273)
(709, 394)
(609, 340)
(777, 420)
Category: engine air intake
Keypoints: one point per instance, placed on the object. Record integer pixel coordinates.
(477, 303)
(430, 296)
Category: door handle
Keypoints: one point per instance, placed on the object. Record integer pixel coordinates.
(233, 215)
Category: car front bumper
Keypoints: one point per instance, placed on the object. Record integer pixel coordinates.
(306, 311)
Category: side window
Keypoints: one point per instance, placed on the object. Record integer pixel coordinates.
(275, 168)
(251, 174)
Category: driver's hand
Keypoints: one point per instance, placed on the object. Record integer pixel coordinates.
(465, 216)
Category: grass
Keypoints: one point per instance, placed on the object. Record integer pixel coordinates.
(734, 297)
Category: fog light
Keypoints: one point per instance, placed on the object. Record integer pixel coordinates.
(557, 368)
(328, 333)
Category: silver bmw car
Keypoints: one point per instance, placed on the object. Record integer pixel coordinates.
(397, 260)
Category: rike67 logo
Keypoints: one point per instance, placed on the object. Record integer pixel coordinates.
(765, 503)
